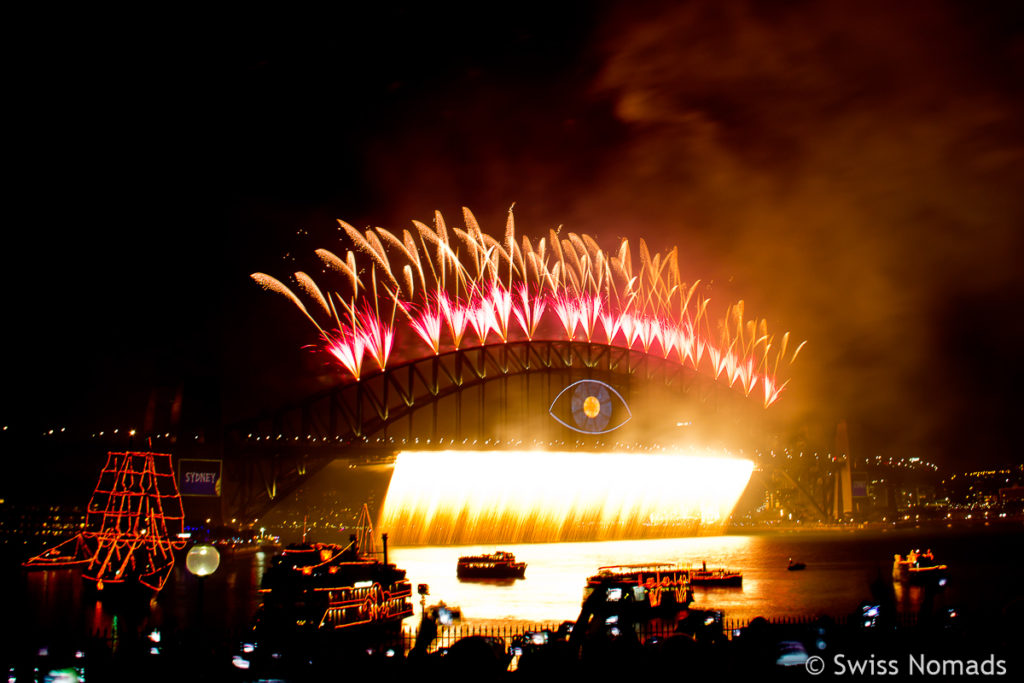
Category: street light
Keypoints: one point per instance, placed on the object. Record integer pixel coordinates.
(202, 560)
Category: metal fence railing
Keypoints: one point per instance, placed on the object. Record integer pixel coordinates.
(449, 635)
(730, 628)
(505, 635)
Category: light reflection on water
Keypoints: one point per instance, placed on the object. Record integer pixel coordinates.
(841, 568)
(58, 602)
(555, 574)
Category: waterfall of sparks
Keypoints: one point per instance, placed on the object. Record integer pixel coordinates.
(505, 292)
(469, 497)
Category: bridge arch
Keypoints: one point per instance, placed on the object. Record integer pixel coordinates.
(441, 400)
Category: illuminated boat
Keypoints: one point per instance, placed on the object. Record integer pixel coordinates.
(919, 569)
(497, 565)
(643, 588)
(134, 525)
(323, 588)
(640, 601)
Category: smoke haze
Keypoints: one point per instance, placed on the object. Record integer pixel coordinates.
(851, 170)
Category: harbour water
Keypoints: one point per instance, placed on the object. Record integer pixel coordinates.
(844, 569)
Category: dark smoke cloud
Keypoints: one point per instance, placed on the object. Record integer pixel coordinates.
(855, 172)
(851, 170)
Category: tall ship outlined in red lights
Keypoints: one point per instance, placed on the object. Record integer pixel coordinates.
(133, 526)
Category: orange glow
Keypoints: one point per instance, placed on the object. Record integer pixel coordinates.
(591, 406)
(535, 496)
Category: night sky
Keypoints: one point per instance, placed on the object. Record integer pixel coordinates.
(853, 171)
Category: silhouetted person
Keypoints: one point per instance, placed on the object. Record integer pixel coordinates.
(424, 637)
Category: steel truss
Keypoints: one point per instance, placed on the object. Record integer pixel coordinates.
(270, 456)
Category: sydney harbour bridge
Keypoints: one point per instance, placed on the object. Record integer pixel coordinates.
(505, 398)
(449, 341)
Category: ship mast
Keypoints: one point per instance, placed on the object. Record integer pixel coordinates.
(365, 539)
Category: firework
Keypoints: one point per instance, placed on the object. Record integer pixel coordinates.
(425, 291)
(447, 497)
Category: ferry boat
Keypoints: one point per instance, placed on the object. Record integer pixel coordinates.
(497, 565)
(642, 601)
(918, 568)
(646, 588)
(716, 578)
(323, 588)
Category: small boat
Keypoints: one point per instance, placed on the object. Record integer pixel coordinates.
(918, 568)
(497, 565)
(715, 578)
(795, 566)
